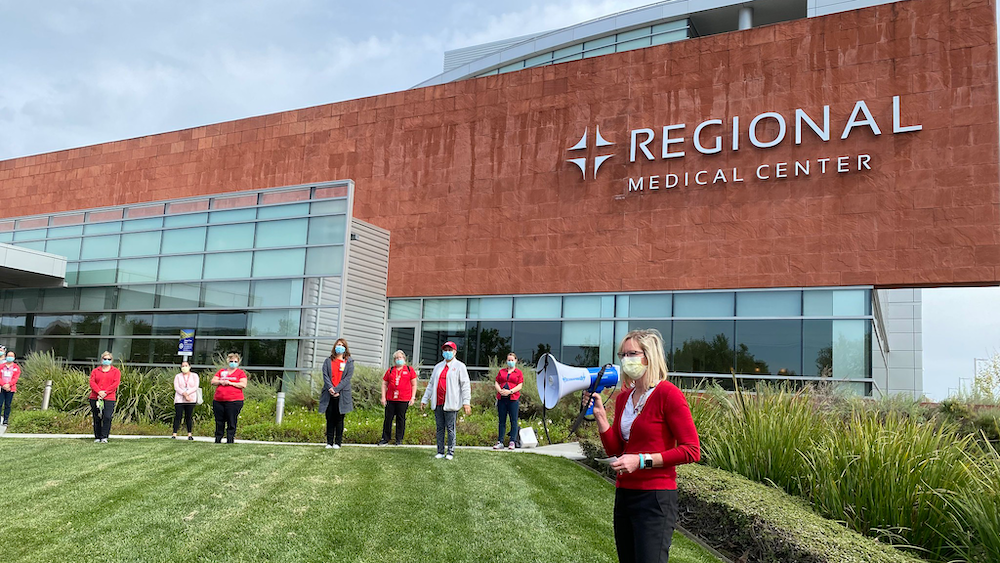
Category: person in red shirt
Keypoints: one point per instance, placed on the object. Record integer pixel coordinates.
(399, 391)
(653, 432)
(9, 374)
(104, 381)
(336, 399)
(227, 403)
(508, 386)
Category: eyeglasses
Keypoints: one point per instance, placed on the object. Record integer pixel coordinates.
(630, 354)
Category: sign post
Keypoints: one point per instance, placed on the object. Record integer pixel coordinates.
(185, 346)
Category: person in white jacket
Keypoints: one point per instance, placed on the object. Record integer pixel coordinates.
(448, 390)
(185, 398)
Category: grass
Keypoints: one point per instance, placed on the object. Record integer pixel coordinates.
(153, 500)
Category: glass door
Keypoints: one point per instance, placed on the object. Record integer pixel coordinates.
(402, 336)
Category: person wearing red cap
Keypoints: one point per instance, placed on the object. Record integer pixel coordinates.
(447, 391)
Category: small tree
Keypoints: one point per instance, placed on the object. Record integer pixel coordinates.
(986, 383)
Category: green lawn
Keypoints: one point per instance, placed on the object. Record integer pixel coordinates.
(153, 500)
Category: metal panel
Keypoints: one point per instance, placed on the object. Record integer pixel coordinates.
(365, 304)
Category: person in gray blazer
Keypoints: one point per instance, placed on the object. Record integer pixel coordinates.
(335, 399)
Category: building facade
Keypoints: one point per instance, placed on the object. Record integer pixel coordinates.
(756, 193)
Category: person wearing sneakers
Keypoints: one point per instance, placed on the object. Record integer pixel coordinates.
(336, 400)
(104, 382)
(448, 390)
(399, 391)
(508, 386)
(9, 374)
(186, 389)
(229, 383)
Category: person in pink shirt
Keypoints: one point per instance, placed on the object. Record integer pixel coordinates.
(104, 381)
(186, 388)
(9, 374)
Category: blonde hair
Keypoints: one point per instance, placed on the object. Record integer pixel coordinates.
(396, 353)
(650, 341)
(232, 355)
(106, 353)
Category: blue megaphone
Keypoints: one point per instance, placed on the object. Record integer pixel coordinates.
(556, 380)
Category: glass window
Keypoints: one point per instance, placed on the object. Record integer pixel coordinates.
(434, 334)
(185, 220)
(102, 228)
(817, 303)
(178, 296)
(53, 325)
(211, 350)
(132, 325)
(184, 240)
(703, 346)
(599, 42)
(68, 247)
(325, 261)
(404, 309)
(270, 353)
(137, 270)
(291, 232)
(544, 58)
(275, 323)
(97, 298)
(59, 299)
(444, 308)
(581, 341)
(143, 224)
(543, 307)
(769, 304)
(634, 34)
(222, 324)
(817, 348)
(666, 331)
(92, 324)
(290, 210)
(287, 262)
(29, 234)
(11, 325)
(328, 230)
(135, 297)
(581, 306)
(850, 302)
(232, 216)
(655, 306)
(70, 231)
(85, 349)
(490, 307)
(714, 304)
(133, 351)
(99, 247)
(669, 37)
(225, 294)
(851, 349)
(676, 25)
(600, 51)
(230, 237)
(769, 347)
(228, 265)
(165, 351)
(488, 342)
(7, 237)
(172, 324)
(567, 51)
(180, 267)
(532, 339)
(277, 293)
(140, 244)
(38, 245)
(96, 273)
(331, 206)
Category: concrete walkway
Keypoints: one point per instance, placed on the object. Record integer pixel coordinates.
(570, 450)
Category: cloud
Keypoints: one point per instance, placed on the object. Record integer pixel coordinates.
(959, 325)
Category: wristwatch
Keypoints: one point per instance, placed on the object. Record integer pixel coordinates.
(647, 462)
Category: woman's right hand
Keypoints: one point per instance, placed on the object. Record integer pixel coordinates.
(383, 400)
(598, 404)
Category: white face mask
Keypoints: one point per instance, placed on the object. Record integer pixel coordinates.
(633, 368)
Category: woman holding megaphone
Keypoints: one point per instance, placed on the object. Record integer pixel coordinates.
(653, 432)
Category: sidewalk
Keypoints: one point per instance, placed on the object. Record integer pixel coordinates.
(569, 450)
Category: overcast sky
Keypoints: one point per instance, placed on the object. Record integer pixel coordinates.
(85, 72)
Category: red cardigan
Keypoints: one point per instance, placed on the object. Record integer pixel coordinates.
(107, 381)
(664, 426)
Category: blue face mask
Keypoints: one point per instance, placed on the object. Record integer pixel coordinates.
(511, 363)
(448, 355)
(9, 359)
(233, 364)
(339, 349)
(400, 361)
(106, 362)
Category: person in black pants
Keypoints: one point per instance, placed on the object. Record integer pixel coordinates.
(229, 384)
(399, 391)
(104, 382)
(335, 400)
(186, 387)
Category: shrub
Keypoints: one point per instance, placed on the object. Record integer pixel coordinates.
(976, 509)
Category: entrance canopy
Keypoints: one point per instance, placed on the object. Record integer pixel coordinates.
(23, 267)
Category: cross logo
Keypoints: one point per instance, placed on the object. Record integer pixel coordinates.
(582, 145)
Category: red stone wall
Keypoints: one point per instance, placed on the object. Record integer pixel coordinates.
(472, 180)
